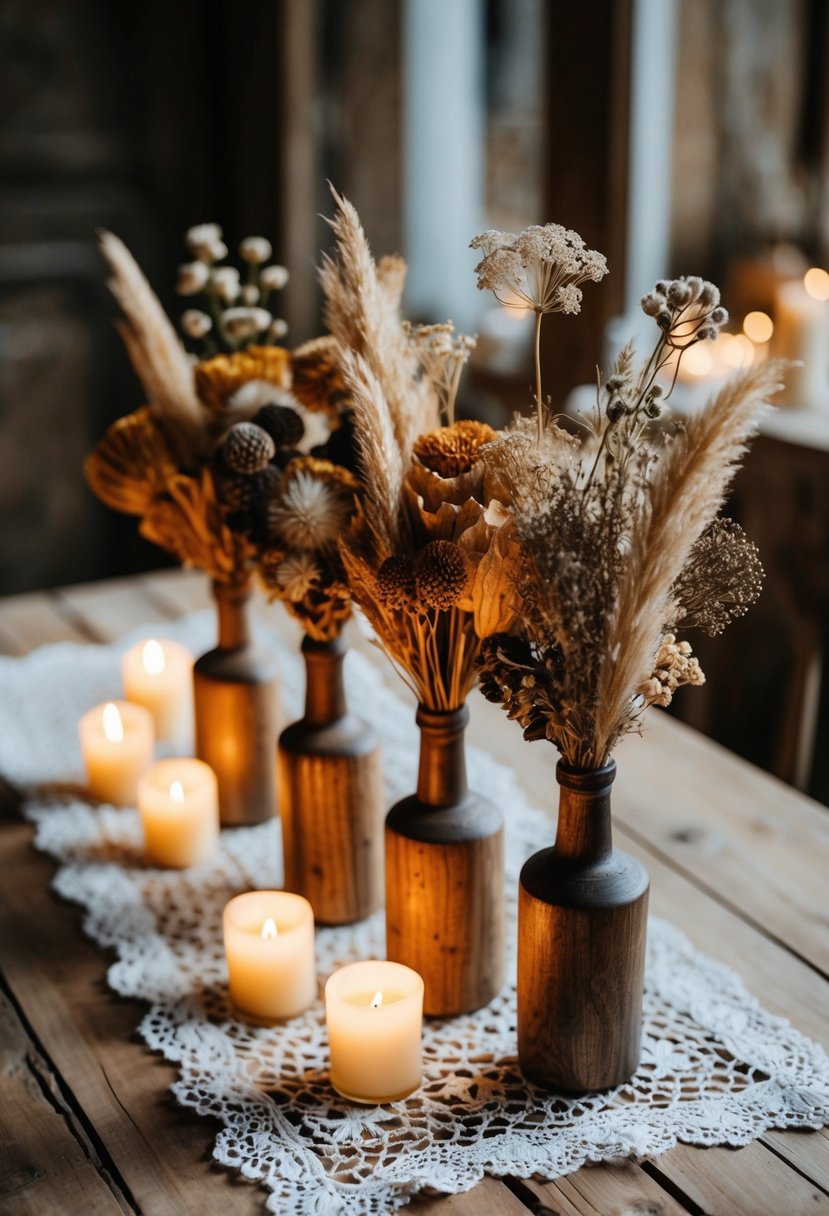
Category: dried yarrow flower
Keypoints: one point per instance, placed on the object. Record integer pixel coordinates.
(440, 574)
(541, 268)
(443, 355)
(721, 579)
(453, 450)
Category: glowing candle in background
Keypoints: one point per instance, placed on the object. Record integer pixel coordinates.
(802, 333)
(179, 805)
(374, 1015)
(117, 745)
(159, 675)
(269, 947)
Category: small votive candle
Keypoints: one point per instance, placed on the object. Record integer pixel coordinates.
(117, 744)
(374, 1014)
(179, 805)
(159, 675)
(269, 947)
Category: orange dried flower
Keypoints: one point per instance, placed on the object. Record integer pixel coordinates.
(218, 378)
(318, 379)
(453, 450)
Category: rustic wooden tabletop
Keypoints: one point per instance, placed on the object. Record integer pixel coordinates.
(87, 1123)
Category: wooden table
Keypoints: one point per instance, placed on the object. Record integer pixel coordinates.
(87, 1124)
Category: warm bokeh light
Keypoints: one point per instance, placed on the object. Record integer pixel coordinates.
(739, 352)
(113, 726)
(758, 326)
(269, 928)
(153, 658)
(816, 282)
(697, 360)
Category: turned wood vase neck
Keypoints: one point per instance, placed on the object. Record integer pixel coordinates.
(324, 684)
(584, 830)
(441, 777)
(233, 615)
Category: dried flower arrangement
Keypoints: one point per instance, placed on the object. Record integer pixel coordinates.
(425, 559)
(219, 464)
(621, 548)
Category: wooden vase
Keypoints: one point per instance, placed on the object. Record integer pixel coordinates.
(582, 919)
(445, 876)
(331, 797)
(237, 713)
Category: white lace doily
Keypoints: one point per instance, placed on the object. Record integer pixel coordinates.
(716, 1068)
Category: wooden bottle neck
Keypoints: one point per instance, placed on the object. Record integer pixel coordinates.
(233, 616)
(324, 684)
(584, 831)
(441, 778)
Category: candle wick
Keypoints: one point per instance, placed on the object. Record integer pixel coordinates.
(377, 999)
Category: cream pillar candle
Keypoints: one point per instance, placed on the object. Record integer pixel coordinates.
(269, 947)
(159, 675)
(374, 1014)
(801, 332)
(179, 805)
(117, 745)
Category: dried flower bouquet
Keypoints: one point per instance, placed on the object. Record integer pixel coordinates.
(621, 546)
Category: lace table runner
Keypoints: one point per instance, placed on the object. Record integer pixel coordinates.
(716, 1067)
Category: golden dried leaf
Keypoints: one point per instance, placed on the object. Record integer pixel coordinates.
(218, 379)
(495, 599)
(132, 464)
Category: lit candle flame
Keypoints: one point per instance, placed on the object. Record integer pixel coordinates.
(269, 928)
(113, 726)
(153, 657)
(377, 999)
(816, 282)
(177, 792)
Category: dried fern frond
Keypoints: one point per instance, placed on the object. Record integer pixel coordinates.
(687, 489)
(158, 357)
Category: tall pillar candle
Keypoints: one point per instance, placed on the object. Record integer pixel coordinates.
(117, 744)
(801, 332)
(159, 675)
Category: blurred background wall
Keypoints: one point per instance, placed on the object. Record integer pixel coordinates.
(675, 135)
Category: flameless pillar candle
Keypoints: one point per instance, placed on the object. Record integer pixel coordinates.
(179, 805)
(159, 676)
(269, 947)
(374, 1013)
(117, 746)
(802, 333)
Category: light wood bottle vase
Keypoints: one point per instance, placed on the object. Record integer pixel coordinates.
(237, 712)
(582, 921)
(445, 875)
(331, 797)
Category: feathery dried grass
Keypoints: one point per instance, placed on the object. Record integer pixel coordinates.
(160, 361)
(689, 487)
(381, 464)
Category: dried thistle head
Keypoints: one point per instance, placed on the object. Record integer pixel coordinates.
(541, 268)
(440, 574)
(453, 450)
(315, 504)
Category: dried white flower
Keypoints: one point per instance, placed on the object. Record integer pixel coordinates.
(273, 278)
(224, 283)
(246, 322)
(539, 268)
(201, 236)
(255, 249)
(297, 575)
(443, 355)
(191, 278)
(309, 515)
(278, 328)
(256, 393)
(250, 294)
(196, 324)
(216, 251)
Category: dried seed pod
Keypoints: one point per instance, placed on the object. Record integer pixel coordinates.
(440, 574)
(247, 448)
(283, 424)
(396, 582)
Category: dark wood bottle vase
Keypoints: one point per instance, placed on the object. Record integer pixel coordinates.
(445, 876)
(331, 797)
(237, 713)
(582, 921)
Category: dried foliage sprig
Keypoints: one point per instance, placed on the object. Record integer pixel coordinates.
(620, 544)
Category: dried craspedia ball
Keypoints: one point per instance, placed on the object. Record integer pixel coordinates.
(453, 449)
(283, 424)
(440, 574)
(247, 448)
(396, 582)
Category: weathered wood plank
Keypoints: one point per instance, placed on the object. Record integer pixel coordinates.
(599, 1189)
(488, 1198)
(47, 1164)
(808, 1152)
(742, 1182)
(29, 621)
(111, 608)
(178, 591)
